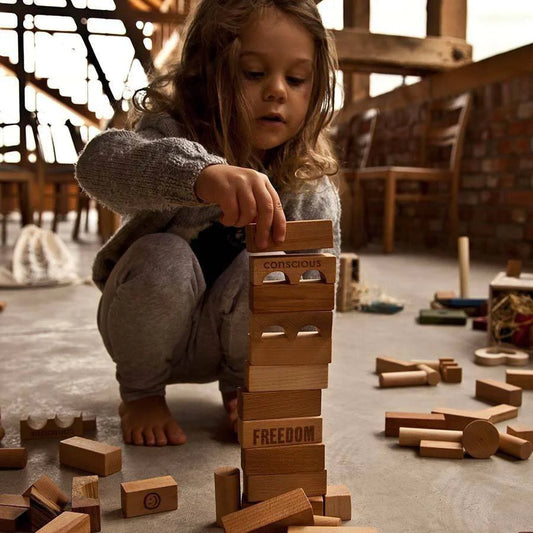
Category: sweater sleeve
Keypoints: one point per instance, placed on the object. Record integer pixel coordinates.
(153, 168)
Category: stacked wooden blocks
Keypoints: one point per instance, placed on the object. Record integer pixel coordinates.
(280, 428)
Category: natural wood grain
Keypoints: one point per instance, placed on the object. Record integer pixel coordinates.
(85, 499)
(338, 502)
(284, 459)
(227, 491)
(498, 392)
(441, 449)
(92, 456)
(149, 496)
(263, 486)
(394, 420)
(285, 377)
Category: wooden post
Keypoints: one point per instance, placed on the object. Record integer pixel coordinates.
(446, 18)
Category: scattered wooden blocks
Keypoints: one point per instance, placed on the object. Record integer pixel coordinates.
(395, 420)
(317, 503)
(458, 419)
(264, 486)
(480, 439)
(43, 509)
(413, 436)
(498, 392)
(68, 522)
(501, 412)
(499, 355)
(515, 446)
(441, 449)
(279, 404)
(292, 508)
(348, 275)
(227, 491)
(522, 432)
(433, 376)
(330, 521)
(85, 499)
(338, 502)
(284, 459)
(300, 235)
(282, 377)
(52, 428)
(450, 370)
(389, 364)
(92, 456)
(13, 458)
(149, 496)
(280, 432)
(14, 500)
(403, 379)
(13, 518)
(520, 378)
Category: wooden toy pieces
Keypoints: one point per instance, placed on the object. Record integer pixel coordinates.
(14, 512)
(52, 428)
(520, 378)
(149, 496)
(338, 502)
(227, 491)
(500, 355)
(498, 392)
(68, 522)
(47, 501)
(92, 456)
(523, 432)
(13, 458)
(85, 499)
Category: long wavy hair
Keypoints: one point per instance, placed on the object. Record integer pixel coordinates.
(203, 91)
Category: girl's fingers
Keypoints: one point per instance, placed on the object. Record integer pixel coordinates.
(230, 210)
(279, 223)
(265, 214)
(247, 207)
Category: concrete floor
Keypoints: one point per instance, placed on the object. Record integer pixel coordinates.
(52, 359)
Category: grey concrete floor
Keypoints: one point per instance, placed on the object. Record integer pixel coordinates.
(52, 359)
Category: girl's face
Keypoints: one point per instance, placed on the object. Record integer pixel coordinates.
(276, 64)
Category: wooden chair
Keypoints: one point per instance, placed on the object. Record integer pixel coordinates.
(444, 132)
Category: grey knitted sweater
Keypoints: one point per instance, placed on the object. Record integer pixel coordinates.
(148, 177)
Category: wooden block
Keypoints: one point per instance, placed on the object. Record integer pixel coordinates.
(278, 404)
(433, 376)
(441, 449)
(498, 392)
(292, 507)
(515, 446)
(42, 509)
(338, 502)
(13, 518)
(395, 420)
(68, 522)
(389, 364)
(501, 412)
(452, 373)
(458, 419)
(89, 422)
(52, 428)
(227, 491)
(90, 455)
(317, 503)
(330, 529)
(278, 296)
(13, 458)
(514, 268)
(290, 344)
(284, 459)
(480, 439)
(498, 355)
(403, 379)
(331, 521)
(149, 496)
(300, 235)
(432, 363)
(85, 499)
(285, 377)
(449, 317)
(264, 486)
(520, 378)
(413, 436)
(294, 266)
(280, 432)
(47, 488)
(517, 430)
(14, 500)
(348, 275)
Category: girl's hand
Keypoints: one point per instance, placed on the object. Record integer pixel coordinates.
(245, 196)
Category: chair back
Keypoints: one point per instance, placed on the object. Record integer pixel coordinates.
(445, 127)
(359, 137)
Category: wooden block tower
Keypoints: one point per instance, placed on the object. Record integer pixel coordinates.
(280, 427)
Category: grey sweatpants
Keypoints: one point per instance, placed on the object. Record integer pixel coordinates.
(160, 325)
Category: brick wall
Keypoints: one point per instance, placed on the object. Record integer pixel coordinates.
(496, 184)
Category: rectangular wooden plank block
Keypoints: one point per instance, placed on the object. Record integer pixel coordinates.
(389, 364)
(520, 378)
(14, 500)
(264, 486)
(13, 458)
(501, 412)
(458, 419)
(290, 507)
(149, 496)
(280, 432)
(13, 518)
(300, 235)
(285, 377)
(68, 522)
(277, 296)
(279, 404)
(85, 499)
(90, 455)
(441, 449)
(395, 419)
(293, 266)
(284, 459)
(338, 502)
(520, 431)
(498, 392)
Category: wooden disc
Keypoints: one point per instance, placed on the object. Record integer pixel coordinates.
(481, 439)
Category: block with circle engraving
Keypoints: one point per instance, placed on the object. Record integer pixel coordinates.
(149, 496)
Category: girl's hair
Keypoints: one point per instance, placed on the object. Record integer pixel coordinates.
(204, 91)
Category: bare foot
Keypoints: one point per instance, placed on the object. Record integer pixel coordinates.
(230, 404)
(148, 422)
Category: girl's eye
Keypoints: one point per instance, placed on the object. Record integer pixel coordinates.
(253, 74)
(295, 81)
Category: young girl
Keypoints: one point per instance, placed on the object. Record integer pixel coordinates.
(232, 134)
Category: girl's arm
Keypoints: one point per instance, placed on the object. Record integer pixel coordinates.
(154, 168)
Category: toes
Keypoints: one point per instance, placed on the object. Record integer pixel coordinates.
(126, 435)
(175, 434)
(160, 436)
(149, 437)
(138, 438)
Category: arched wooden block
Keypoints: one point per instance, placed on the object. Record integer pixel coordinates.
(52, 428)
(501, 355)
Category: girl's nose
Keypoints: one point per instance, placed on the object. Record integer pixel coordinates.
(275, 89)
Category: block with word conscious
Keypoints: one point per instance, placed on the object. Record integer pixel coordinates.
(149, 496)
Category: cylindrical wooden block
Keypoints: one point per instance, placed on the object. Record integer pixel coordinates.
(13, 458)
(464, 265)
(515, 446)
(227, 491)
(403, 379)
(433, 376)
(481, 439)
(432, 363)
(330, 521)
(413, 436)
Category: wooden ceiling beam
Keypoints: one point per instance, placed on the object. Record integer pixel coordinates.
(373, 52)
